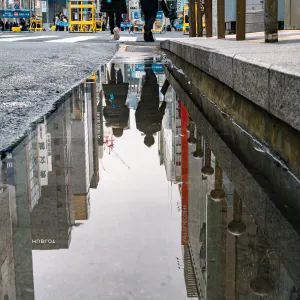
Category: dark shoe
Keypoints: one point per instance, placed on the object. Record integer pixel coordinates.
(149, 39)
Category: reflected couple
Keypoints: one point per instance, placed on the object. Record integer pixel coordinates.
(149, 112)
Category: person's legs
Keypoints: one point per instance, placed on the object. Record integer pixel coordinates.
(150, 77)
(150, 17)
(146, 14)
(118, 20)
(111, 21)
(172, 23)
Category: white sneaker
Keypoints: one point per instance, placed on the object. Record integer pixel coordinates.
(116, 33)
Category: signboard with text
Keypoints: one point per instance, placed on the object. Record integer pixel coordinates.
(158, 68)
(15, 13)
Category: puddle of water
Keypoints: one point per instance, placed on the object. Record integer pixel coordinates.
(122, 184)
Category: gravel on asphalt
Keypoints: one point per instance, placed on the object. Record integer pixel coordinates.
(35, 75)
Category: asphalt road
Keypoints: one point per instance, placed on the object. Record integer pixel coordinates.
(38, 68)
(65, 37)
(35, 75)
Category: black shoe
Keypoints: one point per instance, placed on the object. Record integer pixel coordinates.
(149, 39)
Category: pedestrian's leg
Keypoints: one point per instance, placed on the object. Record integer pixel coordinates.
(111, 21)
(146, 14)
(118, 20)
(149, 21)
(117, 26)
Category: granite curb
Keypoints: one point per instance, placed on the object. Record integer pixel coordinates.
(270, 81)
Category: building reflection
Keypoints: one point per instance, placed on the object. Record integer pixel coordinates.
(44, 186)
(15, 230)
(169, 137)
(52, 218)
(227, 255)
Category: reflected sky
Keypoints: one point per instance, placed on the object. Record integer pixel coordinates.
(124, 192)
(128, 247)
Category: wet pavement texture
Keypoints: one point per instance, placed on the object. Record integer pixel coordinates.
(138, 187)
(34, 79)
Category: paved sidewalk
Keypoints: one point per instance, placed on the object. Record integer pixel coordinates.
(267, 74)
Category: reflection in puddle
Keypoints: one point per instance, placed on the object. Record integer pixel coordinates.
(124, 179)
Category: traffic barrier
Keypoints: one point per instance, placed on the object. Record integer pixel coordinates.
(98, 25)
(36, 25)
(82, 16)
(186, 23)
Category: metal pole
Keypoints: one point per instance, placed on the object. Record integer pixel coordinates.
(192, 17)
(208, 18)
(221, 19)
(240, 20)
(271, 21)
(199, 18)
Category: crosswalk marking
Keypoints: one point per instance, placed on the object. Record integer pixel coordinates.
(166, 38)
(73, 39)
(9, 35)
(128, 38)
(27, 38)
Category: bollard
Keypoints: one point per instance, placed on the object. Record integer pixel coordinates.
(218, 194)
(208, 18)
(240, 20)
(221, 19)
(199, 15)
(271, 21)
(192, 17)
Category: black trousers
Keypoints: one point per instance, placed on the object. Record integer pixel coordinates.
(150, 17)
(112, 24)
(172, 23)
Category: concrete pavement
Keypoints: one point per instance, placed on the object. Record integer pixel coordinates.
(266, 74)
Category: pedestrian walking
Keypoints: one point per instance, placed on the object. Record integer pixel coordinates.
(149, 114)
(149, 8)
(114, 9)
(116, 112)
(1, 25)
(57, 21)
(172, 16)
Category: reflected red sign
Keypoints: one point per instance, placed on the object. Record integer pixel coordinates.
(184, 176)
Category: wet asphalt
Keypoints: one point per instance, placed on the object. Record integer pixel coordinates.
(35, 75)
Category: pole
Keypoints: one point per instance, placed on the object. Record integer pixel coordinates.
(199, 19)
(240, 20)
(271, 21)
(208, 18)
(221, 19)
(192, 17)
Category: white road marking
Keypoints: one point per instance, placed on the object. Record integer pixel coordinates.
(10, 35)
(166, 38)
(27, 38)
(128, 38)
(73, 39)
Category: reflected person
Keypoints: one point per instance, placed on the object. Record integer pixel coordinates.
(148, 114)
(116, 112)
